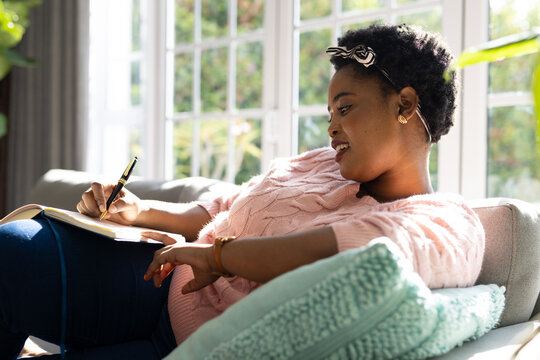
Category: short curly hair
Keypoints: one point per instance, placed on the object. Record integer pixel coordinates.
(410, 57)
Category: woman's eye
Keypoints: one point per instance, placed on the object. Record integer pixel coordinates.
(343, 109)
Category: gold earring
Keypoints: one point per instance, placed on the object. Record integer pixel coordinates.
(402, 119)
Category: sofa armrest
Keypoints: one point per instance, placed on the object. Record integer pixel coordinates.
(501, 344)
(512, 254)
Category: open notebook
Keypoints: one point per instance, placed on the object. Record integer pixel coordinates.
(107, 228)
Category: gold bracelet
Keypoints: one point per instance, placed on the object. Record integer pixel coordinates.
(218, 244)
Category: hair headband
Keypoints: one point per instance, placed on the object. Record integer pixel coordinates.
(366, 56)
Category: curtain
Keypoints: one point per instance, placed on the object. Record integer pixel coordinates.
(48, 103)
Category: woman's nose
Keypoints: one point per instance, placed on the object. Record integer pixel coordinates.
(332, 129)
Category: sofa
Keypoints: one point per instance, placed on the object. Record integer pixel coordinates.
(512, 255)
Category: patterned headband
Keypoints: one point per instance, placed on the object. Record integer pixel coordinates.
(366, 56)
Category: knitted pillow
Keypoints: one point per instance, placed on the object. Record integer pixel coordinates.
(364, 303)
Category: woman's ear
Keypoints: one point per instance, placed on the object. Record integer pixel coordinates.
(408, 102)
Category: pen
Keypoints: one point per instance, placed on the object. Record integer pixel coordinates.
(121, 182)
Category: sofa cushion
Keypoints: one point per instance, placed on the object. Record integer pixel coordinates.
(364, 303)
(512, 255)
(63, 188)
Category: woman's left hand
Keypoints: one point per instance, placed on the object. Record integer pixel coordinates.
(198, 256)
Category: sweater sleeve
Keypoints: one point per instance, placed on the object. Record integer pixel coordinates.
(443, 239)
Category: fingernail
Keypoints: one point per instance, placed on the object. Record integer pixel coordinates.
(146, 277)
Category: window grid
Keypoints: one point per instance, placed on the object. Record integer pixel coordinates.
(464, 22)
(197, 116)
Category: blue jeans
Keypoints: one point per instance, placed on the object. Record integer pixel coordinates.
(112, 312)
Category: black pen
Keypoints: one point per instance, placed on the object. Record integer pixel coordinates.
(121, 182)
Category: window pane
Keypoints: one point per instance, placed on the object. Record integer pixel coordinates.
(434, 166)
(521, 69)
(360, 25)
(135, 148)
(315, 68)
(511, 17)
(136, 25)
(513, 163)
(249, 75)
(215, 20)
(250, 15)
(184, 20)
(214, 79)
(428, 20)
(247, 133)
(213, 151)
(312, 132)
(183, 82)
(311, 9)
(135, 83)
(358, 5)
(182, 149)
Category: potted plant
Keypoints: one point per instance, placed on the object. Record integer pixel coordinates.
(13, 22)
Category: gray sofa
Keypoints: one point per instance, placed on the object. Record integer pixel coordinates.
(512, 256)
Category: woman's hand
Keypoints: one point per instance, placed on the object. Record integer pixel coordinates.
(198, 256)
(124, 210)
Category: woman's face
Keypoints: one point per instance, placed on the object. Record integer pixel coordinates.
(363, 126)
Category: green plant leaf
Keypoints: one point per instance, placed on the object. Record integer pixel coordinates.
(5, 65)
(17, 59)
(499, 49)
(11, 31)
(3, 125)
(470, 57)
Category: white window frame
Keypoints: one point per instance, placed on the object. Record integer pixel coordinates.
(462, 154)
(108, 152)
(280, 100)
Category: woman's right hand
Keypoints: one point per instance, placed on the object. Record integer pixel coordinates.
(124, 210)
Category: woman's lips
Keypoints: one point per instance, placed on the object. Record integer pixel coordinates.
(340, 154)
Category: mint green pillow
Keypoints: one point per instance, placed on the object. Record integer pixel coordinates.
(365, 303)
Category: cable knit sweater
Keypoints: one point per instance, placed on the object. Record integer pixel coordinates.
(438, 233)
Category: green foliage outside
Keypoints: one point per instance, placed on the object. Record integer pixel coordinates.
(13, 22)
(312, 132)
(214, 64)
(213, 136)
(514, 131)
(212, 144)
(315, 69)
(513, 166)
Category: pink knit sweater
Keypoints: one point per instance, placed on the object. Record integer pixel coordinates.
(438, 233)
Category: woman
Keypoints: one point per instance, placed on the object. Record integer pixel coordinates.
(388, 102)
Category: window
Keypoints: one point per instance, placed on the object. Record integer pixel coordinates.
(498, 130)
(220, 88)
(117, 98)
(513, 164)
(215, 56)
(214, 97)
